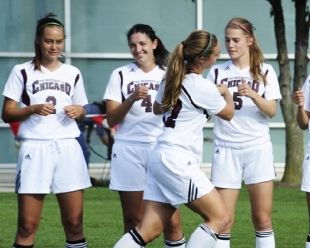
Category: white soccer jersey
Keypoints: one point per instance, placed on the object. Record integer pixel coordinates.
(61, 87)
(183, 128)
(306, 92)
(248, 123)
(140, 124)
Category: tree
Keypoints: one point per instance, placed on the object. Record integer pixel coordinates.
(294, 136)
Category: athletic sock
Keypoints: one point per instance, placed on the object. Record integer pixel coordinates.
(308, 241)
(176, 243)
(223, 241)
(265, 239)
(202, 237)
(76, 244)
(22, 246)
(132, 239)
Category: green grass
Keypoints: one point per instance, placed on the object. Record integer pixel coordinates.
(103, 220)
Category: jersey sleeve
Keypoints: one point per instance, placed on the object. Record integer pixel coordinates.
(210, 98)
(306, 92)
(14, 86)
(272, 87)
(113, 89)
(160, 93)
(79, 96)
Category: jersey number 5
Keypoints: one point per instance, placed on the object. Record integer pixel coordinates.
(237, 100)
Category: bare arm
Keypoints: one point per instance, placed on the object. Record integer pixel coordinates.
(11, 112)
(116, 111)
(269, 108)
(302, 116)
(157, 108)
(227, 113)
(76, 112)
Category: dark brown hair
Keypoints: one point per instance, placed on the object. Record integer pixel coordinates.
(48, 20)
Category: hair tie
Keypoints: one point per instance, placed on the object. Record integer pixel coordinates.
(241, 26)
(51, 23)
(206, 47)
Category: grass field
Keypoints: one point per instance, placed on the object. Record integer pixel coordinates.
(103, 220)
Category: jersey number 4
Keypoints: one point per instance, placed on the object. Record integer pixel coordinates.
(147, 103)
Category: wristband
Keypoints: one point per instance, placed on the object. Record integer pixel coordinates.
(131, 101)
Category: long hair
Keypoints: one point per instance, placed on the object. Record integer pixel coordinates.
(256, 55)
(161, 54)
(198, 43)
(48, 20)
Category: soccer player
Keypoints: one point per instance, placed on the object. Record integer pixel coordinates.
(242, 147)
(130, 96)
(301, 97)
(52, 96)
(174, 175)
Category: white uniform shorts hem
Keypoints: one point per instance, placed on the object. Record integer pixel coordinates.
(51, 165)
(128, 166)
(175, 178)
(252, 164)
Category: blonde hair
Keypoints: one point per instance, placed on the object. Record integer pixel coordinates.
(256, 55)
(198, 43)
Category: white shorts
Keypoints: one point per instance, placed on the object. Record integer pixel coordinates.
(56, 165)
(128, 166)
(305, 184)
(252, 164)
(175, 178)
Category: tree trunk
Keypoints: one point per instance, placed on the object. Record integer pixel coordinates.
(294, 136)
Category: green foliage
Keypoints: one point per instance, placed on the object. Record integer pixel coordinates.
(103, 220)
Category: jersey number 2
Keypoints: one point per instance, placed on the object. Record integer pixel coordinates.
(52, 99)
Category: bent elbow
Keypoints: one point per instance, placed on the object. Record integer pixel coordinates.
(271, 115)
(5, 118)
(157, 112)
(302, 126)
(229, 116)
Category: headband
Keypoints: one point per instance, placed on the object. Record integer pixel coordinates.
(206, 47)
(239, 25)
(51, 23)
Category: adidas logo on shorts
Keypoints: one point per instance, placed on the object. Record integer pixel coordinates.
(217, 151)
(189, 163)
(27, 156)
(227, 68)
(307, 158)
(114, 155)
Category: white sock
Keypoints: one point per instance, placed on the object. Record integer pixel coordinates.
(223, 241)
(265, 239)
(202, 237)
(175, 244)
(308, 241)
(128, 242)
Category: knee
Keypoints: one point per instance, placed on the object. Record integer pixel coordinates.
(262, 222)
(225, 221)
(73, 227)
(27, 229)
